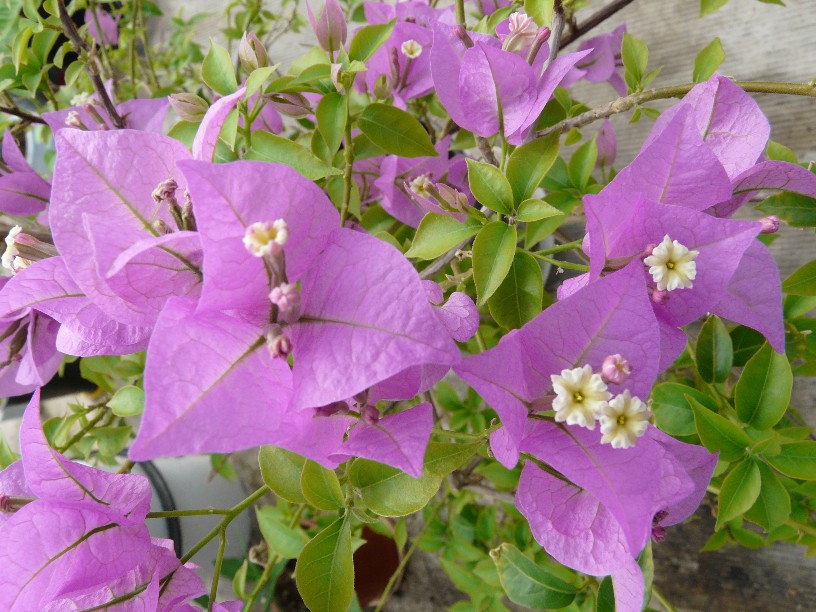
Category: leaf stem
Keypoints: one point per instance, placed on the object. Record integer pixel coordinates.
(348, 156)
(663, 601)
(79, 435)
(219, 560)
(460, 13)
(566, 265)
(195, 512)
(558, 248)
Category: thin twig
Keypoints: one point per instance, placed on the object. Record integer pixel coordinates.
(486, 150)
(441, 263)
(557, 29)
(676, 91)
(593, 20)
(16, 112)
(79, 45)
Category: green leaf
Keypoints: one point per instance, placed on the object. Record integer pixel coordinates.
(127, 401)
(493, 250)
(7, 456)
(635, 55)
(739, 491)
(258, 77)
(388, 491)
(281, 470)
(773, 507)
(715, 353)
(802, 282)
(325, 569)
(490, 187)
(709, 6)
(438, 233)
(718, 433)
(217, 70)
(535, 210)
(280, 538)
(672, 410)
(368, 39)
(797, 460)
(605, 601)
(112, 440)
(518, 299)
(779, 152)
(540, 10)
(331, 119)
(528, 584)
(746, 342)
(321, 487)
(529, 164)
(582, 162)
(798, 210)
(708, 60)
(395, 131)
(763, 390)
(272, 148)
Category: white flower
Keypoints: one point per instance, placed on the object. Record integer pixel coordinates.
(81, 99)
(11, 259)
(421, 186)
(672, 265)
(411, 49)
(580, 396)
(266, 238)
(623, 420)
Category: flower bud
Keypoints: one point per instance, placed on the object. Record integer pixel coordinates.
(542, 36)
(162, 228)
(336, 77)
(659, 296)
(332, 409)
(286, 297)
(607, 144)
(451, 199)
(330, 26)
(292, 104)
(189, 106)
(770, 225)
(277, 342)
(615, 369)
(461, 33)
(523, 32)
(370, 415)
(165, 190)
(252, 53)
(11, 257)
(382, 88)
(73, 120)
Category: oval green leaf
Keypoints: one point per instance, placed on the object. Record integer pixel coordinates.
(528, 584)
(282, 540)
(127, 401)
(395, 131)
(321, 487)
(493, 252)
(438, 233)
(802, 282)
(529, 164)
(764, 389)
(672, 410)
(331, 120)
(797, 460)
(718, 433)
(325, 569)
(490, 187)
(281, 470)
(715, 352)
(217, 70)
(271, 148)
(536, 210)
(773, 506)
(708, 60)
(518, 299)
(368, 39)
(739, 491)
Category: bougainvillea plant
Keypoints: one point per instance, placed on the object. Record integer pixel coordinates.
(407, 268)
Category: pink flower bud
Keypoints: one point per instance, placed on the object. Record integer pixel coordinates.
(607, 144)
(615, 369)
(659, 296)
(292, 104)
(286, 297)
(165, 190)
(188, 106)
(330, 26)
(279, 345)
(542, 36)
(252, 53)
(73, 120)
(770, 225)
(370, 415)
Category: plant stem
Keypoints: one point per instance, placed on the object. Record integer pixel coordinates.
(126, 467)
(151, 72)
(457, 435)
(16, 112)
(567, 265)
(460, 13)
(676, 91)
(219, 560)
(197, 512)
(486, 150)
(90, 67)
(79, 435)
(401, 567)
(557, 29)
(804, 527)
(348, 157)
(593, 20)
(663, 601)
(568, 246)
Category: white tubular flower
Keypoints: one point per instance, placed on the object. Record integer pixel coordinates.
(623, 420)
(11, 257)
(672, 265)
(266, 237)
(411, 49)
(421, 185)
(580, 396)
(523, 31)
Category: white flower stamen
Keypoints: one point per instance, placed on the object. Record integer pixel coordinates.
(623, 420)
(672, 265)
(411, 49)
(266, 237)
(580, 396)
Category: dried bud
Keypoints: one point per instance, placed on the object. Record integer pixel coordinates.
(292, 104)
(189, 106)
(370, 415)
(770, 225)
(615, 369)
(188, 221)
(165, 190)
(252, 53)
(162, 228)
(330, 26)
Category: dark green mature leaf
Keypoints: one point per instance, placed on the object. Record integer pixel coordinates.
(746, 342)
(763, 390)
(490, 187)
(321, 487)
(529, 164)
(582, 162)
(395, 131)
(368, 39)
(272, 148)
(217, 70)
(281, 470)
(438, 233)
(518, 299)
(773, 507)
(802, 282)
(605, 601)
(331, 120)
(672, 410)
(388, 491)
(715, 352)
(708, 60)
(739, 491)
(325, 569)
(798, 210)
(493, 252)
(528, 584)
(797, 460)
(718, 433)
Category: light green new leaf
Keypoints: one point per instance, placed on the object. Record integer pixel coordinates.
(368, 39)
(490, 187)
(395, 131)
(272, 148)
(529, 164)
(715, 352)
(763, 390)
(281, 470)
(518, 299)
(718, 433)
(321, 487)
(325, 569)
(280, 538)
(635, 56)
(127, 401)
(540, 10)
(438, 233)
(802, 282)
(217, 70)
(739, 491)
(528, 584)
(258, 77)
(709, 6)
(708, 60)
(535, 210)
(331, 120)
(493, 250)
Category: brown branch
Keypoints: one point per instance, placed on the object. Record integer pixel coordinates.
(558, 23)
(16, 112)
(593, 20)
(79, 45)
